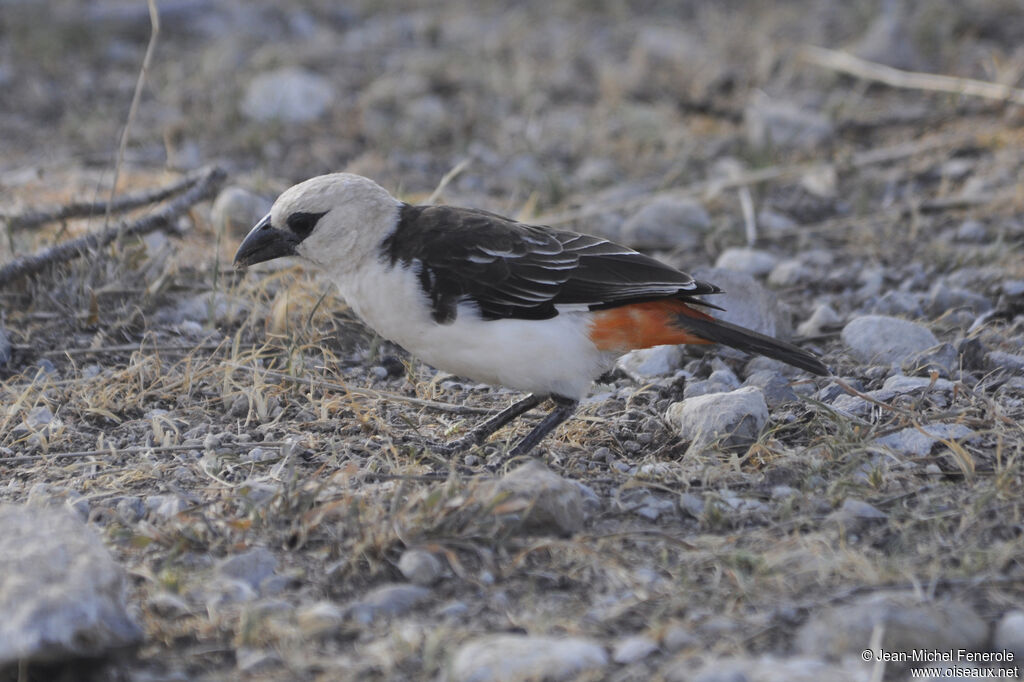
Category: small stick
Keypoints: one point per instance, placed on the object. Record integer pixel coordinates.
(203, 187)
(154, 22)
(908, 80)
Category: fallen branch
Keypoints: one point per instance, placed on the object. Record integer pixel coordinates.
(88, 209)
(203, 186)
(908, 80)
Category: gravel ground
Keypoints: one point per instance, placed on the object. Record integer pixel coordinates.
(219, 475)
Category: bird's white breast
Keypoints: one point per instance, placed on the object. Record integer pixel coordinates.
(553, 356)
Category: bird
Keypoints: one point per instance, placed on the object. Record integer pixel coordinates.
(540, 310)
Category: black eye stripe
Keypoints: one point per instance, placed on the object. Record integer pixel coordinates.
(302, 223)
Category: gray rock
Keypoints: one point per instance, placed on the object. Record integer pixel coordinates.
(547, 503)
(942, 359)
(667, 223)
(907, 622)
(1011, 362)
(895, 385)
(519, 658)
(1009, 634)
(775, 223)
(168, 605)
(943, 298)
(321, 618)
(768, 669)
(678, 638)
(822, 318)
(252, 567)
(224, 592)
(895, 303)
(719, 381)
(746, 302)
(1014, 288)
(859, 509)
(692, 504)
(633, 649)
(388, 601)
(753, 262)
(775, 387)
(5, 348)
(918, 442)
(784, 124)
(733, 419)
(972, 232)
(289, 95)
(789, 273)
(596, 172)
(647, 363)
(420, 567)
(130, 509)
(166, 506)
(877, 338)
(236, 210)
(62, 596)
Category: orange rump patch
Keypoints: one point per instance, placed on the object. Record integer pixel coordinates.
(642, 325)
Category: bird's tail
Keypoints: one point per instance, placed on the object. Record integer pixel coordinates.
(749, 341)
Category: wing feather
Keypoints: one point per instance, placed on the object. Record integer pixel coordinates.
(511, 269)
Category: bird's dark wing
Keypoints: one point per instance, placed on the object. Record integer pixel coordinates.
(514, 270)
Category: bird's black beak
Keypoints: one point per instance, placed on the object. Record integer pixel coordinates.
(265, 242)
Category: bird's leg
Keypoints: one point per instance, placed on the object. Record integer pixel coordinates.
(483, 431)
(564, 408)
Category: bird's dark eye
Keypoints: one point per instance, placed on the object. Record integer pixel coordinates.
(303, 223)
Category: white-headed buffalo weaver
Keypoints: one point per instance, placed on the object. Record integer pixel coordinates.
(488, 298)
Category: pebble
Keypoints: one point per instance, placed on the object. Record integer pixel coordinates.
(908, 624)
(519, 658)
(320, 618)
(692, 504)
(252, 567)
(781, 123)
(858, 509)
(729, 420)
(754, 262)
(61, 593)
(878, 338)
(774, 386)
(719, 381)
(5, 348)
(647, 363)
(289, 95)
(678, 637)
(789, 273)
(420, 567)
(1009, 634)
(130, 509)
(1011, 362)
(898, 384)
(633, 649)
(775, 223)
(168, 605)
(549, 503)
(746, 302)
(388, 601)
(942, 359)
(667, 223)
(236, 210)
(823, 318)
(911, 442)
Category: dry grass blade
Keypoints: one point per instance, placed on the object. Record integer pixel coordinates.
(368, 392)
(908, 80)
(204, 186)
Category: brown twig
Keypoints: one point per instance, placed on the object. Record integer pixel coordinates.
(908, 80)
(87, 209)
(203, 187)
(154, 23)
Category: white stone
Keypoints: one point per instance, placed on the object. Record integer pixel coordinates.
(290, 95)
(519, 658)
(732, 419)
